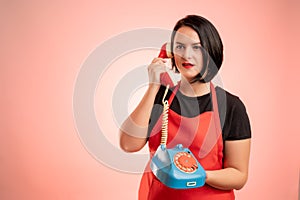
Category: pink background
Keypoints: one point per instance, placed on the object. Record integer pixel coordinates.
(43, 45)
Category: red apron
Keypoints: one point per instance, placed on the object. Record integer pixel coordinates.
(203, 136)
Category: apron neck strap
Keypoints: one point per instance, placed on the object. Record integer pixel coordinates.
(173, 94)
(215, 108)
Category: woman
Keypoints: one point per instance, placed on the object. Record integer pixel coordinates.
(196, 106)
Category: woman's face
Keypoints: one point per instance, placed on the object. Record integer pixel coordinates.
(187, 52)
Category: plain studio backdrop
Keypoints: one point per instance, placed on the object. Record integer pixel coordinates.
(44, 45)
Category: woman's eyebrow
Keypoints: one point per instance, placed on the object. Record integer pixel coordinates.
(197, 43)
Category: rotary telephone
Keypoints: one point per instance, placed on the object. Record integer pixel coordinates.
(176, 167)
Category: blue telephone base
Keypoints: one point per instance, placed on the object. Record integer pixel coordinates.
(166, 167)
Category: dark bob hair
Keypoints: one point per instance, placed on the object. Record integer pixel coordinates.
(211, 43)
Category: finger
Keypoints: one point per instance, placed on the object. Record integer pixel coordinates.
(158, 60)
(156, 68)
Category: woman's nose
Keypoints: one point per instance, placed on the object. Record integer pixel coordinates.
(187, 53)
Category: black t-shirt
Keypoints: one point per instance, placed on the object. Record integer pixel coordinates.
(232, 112)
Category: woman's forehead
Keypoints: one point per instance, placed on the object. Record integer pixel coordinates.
(186, 34)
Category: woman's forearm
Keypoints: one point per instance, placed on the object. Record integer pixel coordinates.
(235, 172)
(226, 179)
(133, 132)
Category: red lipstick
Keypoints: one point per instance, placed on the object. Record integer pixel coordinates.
(187, 65)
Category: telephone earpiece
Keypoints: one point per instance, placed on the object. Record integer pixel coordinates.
(165, 51)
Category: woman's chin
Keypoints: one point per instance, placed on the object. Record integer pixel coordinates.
(189, 76)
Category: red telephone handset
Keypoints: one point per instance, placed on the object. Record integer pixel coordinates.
(165, 52)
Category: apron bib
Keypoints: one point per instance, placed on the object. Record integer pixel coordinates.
(203, 136)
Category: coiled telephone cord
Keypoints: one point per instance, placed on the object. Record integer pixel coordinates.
(164, 128)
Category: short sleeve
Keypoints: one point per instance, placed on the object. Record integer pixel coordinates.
(237, 124)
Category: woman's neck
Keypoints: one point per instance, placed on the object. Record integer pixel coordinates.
(194, 89)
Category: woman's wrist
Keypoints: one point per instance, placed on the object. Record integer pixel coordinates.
(153, 87)
(206, 176)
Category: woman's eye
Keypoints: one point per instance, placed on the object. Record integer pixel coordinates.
(197, 47)
(179, 47)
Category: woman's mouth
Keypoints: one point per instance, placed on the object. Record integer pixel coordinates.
(187, 65)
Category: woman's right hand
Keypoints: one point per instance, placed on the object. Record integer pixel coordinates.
(155, 69)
